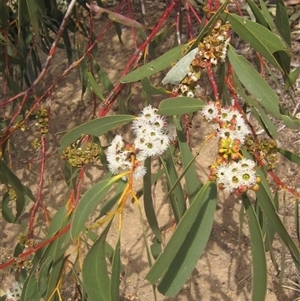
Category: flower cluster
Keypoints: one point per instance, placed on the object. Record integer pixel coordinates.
(228, 121)
(237, 176)
(14, 293)
(232, 172)
(213, 50)
(152, 138)
(214, 46)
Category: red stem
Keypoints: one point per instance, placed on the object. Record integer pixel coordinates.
(132, 28)
(40, 188)
(212, 81)
(189, 21)
(40, 76)
(134, 60)
(194, 12)
(39, 246)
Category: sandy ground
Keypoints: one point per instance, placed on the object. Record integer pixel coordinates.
(224, 271)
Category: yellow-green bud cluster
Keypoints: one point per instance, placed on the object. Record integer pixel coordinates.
(265, 149)
(42, 121)
(79, 156)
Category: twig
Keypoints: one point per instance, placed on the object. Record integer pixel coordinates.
(40, 188)
(134, 61)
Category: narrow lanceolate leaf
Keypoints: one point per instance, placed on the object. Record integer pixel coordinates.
(7, 212)
(94, 85)
(283, 25)
(48, 280)
(115, 271)
(258, 87)
(179, 106)
(292, 77)
(177, 198)
(259, 264)
(87, 204)
(96, 127)
(192, 182)
(8, 177)
(264, 120)
(264, 199)
(34, 14)
(148, 88)
(257, 13)
(159, 64)
(289, 155)
(176, 263)
(260, 38)
(148, 201)
(258, 112)
(31, 290)
(95, 277)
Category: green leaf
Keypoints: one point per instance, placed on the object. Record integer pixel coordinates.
(30, 288)
(179, 106)
(269, 18)
(108, 205)
(9, 177)
(58, 221)
(264, 120)
(95, 127)
(270, 233)
(292, 77)
(95, 277)
(260, 38)
(264, 18)
(155, 66)
(176, 196)
(257, 13)
(83, 67)
(94, 85)
(104, 79)
(192, 182)
(258, 87)
(148, 201)
(259, 263)
(155, 247)
(282, 21)
(51, 269)
(176, 263)
(7, 212)
(265, 202)
(148, 88)
(115, 272)
(258, 112)
(118, 31)
(87, 204)
(33, 11)
(289, 155)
